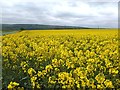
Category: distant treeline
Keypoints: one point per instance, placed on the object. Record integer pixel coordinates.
(37, 27)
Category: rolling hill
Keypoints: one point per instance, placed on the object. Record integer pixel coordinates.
(36, 27)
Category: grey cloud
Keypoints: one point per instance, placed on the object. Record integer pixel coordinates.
(61, 13)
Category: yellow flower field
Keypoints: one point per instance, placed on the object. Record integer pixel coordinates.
(57, 59)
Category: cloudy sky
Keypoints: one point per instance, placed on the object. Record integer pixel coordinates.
(102, 13)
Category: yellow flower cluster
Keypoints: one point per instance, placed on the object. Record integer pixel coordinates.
(65, 80)
(78, 59)
(100, 78)
(12, 85)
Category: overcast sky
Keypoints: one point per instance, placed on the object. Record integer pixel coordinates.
(61, 12)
